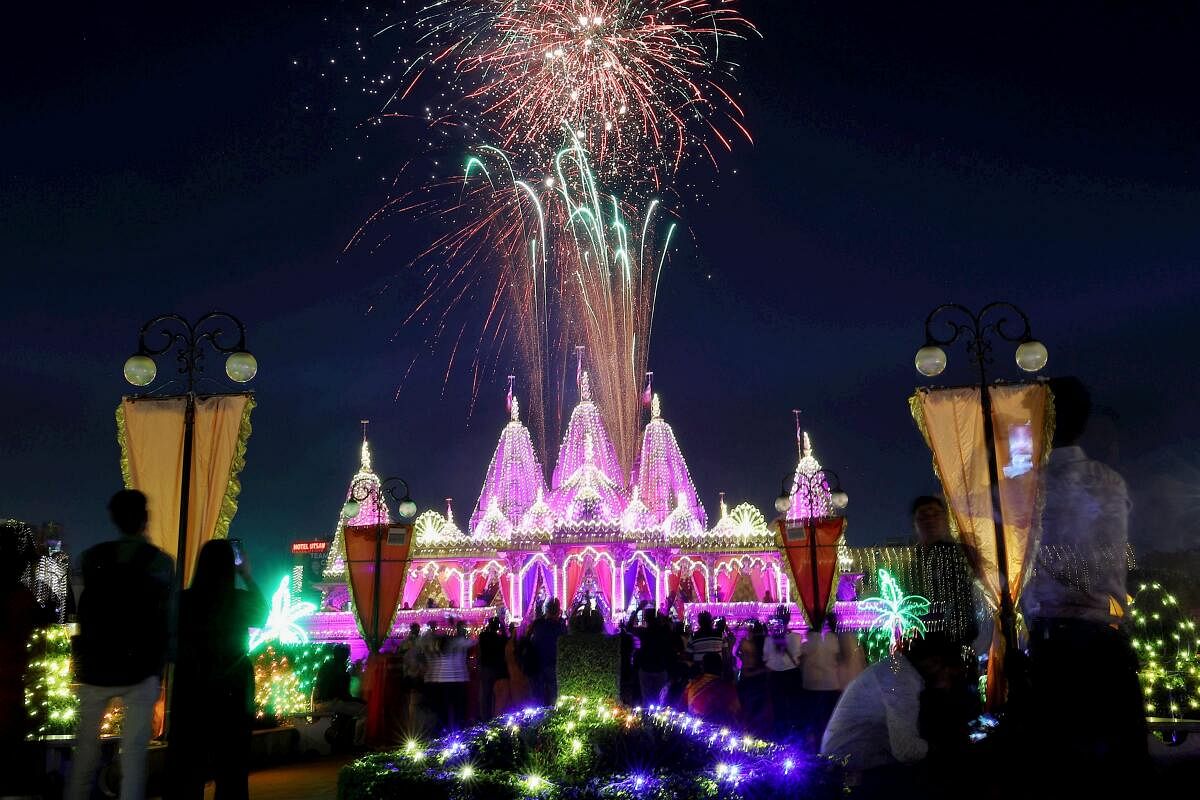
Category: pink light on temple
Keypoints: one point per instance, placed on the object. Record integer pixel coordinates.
(585, 422)
(370, 511)
(514, 478)
(810, 497)
(589, 495)
(660, 472)
(638, 520)
(539, 520)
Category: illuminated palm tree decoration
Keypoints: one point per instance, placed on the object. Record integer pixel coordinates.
(897, 615)
(283, 621)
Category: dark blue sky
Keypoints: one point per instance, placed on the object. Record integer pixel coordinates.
(159, 157)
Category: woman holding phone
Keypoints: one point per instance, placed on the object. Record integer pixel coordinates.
(214, 681)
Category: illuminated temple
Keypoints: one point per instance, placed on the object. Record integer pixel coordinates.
(592, 535)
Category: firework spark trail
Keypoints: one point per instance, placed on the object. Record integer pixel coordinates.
(583, 101)
(551, 264)
(639, 82)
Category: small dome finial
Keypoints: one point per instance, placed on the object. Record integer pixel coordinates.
(585, 388)
(805, 445)
(365, 453)
(655, 407)
(515, 411)
(450, 509)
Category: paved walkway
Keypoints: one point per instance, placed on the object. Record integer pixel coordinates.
(312, 780)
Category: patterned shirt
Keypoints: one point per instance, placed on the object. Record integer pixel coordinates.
(1082, 564)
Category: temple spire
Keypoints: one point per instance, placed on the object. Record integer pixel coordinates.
(655, 407)
(514, 410)
(585, 388)
(365, 453)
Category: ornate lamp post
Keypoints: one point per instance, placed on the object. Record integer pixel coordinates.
(366, 490)
(1008, 323)
(812, 484)
(219, 331)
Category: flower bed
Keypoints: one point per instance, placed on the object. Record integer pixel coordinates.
(585, 749)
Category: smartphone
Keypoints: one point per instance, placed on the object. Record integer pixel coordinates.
(236, 544)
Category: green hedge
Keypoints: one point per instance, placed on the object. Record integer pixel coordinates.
(592, 750)
(589, 665)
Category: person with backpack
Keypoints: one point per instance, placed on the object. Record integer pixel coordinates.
(121, 649)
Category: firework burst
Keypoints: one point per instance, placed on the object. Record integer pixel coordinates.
(640, 83)
(560, 263)
(578, 115)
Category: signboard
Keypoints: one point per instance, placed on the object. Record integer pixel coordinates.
(314, 547)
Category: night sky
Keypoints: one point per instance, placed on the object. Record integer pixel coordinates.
(160, 157)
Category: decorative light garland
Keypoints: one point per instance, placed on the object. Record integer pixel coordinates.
(283, 620)
(284, 678)
(898, 615)
(593, 748)
(1168, 649)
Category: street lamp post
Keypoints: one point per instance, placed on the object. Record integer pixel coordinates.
(362, 490)
(1031, 356)
(189, 339)
(811, 483)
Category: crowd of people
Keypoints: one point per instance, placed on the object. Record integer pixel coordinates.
(1074, 699)
(1074, 704)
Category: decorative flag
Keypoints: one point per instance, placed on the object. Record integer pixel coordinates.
(951, 421)
(648, 393)
(799, 549)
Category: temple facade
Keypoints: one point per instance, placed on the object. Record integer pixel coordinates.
(593, 535)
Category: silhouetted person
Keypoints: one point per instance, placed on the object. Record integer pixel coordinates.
(706, 639)
(654, 654)
(819, 662)
(711, 696)
(782, 655)
(492, 666)
(446, 677)
(753, 682)
(543, 641)
(1083, 672)
(212, 699)
(943, 573)
(121, 649)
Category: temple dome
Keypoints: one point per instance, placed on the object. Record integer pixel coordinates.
(514, 478)
(494, 526)
(810, 495)
(585, 423)
(638, 519)
(370, 512)
(681, 523)
(540, 519)
(589, 494)
(660, 472)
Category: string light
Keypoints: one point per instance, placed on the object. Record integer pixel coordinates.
(50, 702)
(1167, 647)
(285, 676)
(283, 620)
(677, 755)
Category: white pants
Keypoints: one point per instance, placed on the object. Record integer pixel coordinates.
(135, 736)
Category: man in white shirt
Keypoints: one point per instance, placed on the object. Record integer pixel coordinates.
(877, 725)
(819, 663)
(1083, 672)
(782, 656)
